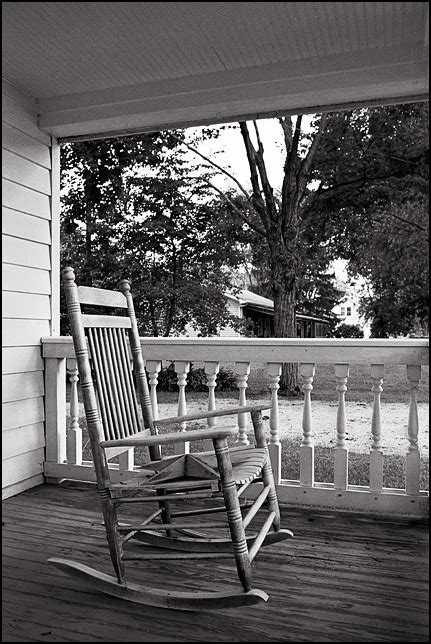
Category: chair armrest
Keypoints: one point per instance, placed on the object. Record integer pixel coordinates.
(210, 414)
(173, 437)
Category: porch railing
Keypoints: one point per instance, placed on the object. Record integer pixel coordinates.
(64, 449)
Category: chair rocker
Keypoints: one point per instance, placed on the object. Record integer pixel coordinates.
(111, 390)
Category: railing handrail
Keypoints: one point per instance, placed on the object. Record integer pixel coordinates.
(404, 351)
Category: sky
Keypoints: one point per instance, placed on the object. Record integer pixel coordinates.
(229, 152)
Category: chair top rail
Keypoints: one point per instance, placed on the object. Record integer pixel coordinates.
(106, 321)
(101, 297)
(311, 350)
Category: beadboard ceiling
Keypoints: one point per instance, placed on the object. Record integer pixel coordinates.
(100, 67)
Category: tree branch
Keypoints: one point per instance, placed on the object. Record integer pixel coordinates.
(214, 164)
(238, 211)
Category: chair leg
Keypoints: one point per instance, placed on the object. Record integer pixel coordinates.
(234, 515)
(111, 523)
(267, 474)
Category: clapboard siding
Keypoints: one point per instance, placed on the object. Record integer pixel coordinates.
(29, 438)
(25, 172)
(26, 200)
(20, 333)
(22, 413)
(18, 115)
(25, 279)
(21, 386)
(20, 224)
(19, 359)
(25, 253)
(27, 227)
(26, 146)
(27, 305)
(22, 467)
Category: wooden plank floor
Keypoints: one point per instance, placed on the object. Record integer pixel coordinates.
(343, 578)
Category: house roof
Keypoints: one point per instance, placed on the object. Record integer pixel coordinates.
(116, 67)
(259, 303)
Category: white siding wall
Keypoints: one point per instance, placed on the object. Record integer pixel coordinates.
(27, 233)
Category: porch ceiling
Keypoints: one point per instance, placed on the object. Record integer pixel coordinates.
(98, 67)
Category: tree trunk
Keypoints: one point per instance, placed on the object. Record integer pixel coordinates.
(284, 292)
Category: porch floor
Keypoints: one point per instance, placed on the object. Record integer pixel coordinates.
(343, 578)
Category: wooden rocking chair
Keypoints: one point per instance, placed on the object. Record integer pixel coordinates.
(111, 408)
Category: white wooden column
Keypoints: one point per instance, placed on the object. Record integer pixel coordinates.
(74, 431)
(55, 412)
(376, 454)
(182, 368)
(413, 455)
(242, 369)
(153, 368)
(341, 456)
(274, 445)
(306, 449)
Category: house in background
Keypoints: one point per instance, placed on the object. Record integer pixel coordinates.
(260, 310)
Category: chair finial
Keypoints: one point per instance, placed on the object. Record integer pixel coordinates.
(68, 274)
(124, 286)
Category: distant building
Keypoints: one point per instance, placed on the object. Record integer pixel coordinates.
(260, 310)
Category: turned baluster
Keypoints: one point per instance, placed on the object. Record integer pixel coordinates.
(74, 431)
(306, 450)
(413, 454)
(242, 369)
(341, 456)
(153, 368)
(274, 445)
(182, 368)
(376, 454)
(211, 371)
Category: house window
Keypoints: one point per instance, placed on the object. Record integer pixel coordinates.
(343, 311)
(349, 310)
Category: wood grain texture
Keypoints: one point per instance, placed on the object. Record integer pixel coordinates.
(364, 580)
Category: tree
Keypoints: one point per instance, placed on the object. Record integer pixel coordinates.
(337, 178)
(131, 209)
(348, 331)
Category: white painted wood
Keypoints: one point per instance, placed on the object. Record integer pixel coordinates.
(19, 359)
(16, 333)
(55, 237)
(24, 226)
(182, 368)
(24, 279)
(22, 439)
(402, 351)
(306, 449)
(55, 409)
(22, 467)
(21, 386)
(20, 413)
(376, 454)
(18, 96)
(25, 253)
(26, 146)
(74, 431)
(17, 114)
(341, 455)
(153, 368)
(25, 200)
(26, 173)
(413, 455)
(26, 305)
(274, 372)
(242, 370)
(17, 488)
(211, 370)
(101, 297)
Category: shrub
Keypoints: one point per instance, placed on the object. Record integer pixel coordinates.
(348, 331)
(196, 379)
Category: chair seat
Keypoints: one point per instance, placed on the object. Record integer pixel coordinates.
(188, 470)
